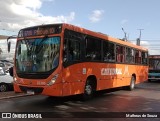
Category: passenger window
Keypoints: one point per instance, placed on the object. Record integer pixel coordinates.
(120, 53)
(108, 51)
(144, 58)
(73, 50)
(129, 55)
(93, 49)
(138, 58)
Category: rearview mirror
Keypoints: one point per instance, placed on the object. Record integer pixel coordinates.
(9, 46)
(9, 43)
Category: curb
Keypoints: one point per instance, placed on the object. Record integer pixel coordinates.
(15, 96)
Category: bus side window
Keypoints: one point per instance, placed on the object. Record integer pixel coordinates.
(93, 49)
(129, 55)
(108, 51)
(144, 58)
(138, 57)
(73, 50)
(65, 51)
(120, 53)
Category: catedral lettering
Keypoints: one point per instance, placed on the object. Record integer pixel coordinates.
(111, 71)
(63, 60)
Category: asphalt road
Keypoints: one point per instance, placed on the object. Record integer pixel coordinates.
(145, 99)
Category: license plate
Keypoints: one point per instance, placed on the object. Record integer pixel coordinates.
(30, 92)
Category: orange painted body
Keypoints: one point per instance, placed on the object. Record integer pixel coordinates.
(72, 79)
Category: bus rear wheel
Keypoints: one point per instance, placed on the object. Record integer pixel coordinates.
(132, 84)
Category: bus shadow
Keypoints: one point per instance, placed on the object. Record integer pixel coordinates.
(78, 98)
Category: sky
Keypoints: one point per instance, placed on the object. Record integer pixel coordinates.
(105, 16)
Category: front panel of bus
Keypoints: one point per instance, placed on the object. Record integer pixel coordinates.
(37, 60)
(154, 68)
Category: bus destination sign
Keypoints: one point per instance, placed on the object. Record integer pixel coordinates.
(38, 31)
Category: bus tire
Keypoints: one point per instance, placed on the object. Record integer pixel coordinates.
(88, 91)
(3, 87)
(132, 84)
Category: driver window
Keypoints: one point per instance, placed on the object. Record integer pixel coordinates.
(71, 47)
(71, 50)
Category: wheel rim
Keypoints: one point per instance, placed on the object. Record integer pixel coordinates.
(3, 88)
(88, 89)
(132, 83)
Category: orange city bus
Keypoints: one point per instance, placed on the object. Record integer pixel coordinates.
(63, 60)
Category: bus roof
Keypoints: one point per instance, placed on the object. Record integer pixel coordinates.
(91, 33)
(103, 36)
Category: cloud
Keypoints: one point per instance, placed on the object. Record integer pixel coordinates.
(146, 44)
(25, 5)
(96, 16)
(124, 21)
(143, 43)
(153, 52)
(17, 14)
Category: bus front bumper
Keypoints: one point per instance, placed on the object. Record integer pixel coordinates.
(54, 90)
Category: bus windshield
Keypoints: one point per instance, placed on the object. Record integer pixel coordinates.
(154, 64)
(37, 55)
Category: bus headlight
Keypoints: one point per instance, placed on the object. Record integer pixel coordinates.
(15, 80)
(53, 80)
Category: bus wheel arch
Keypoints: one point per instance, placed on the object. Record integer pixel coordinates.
(134, 75)
(90, 87)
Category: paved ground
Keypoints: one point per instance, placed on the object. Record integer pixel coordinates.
(144, 99)
(9, 94)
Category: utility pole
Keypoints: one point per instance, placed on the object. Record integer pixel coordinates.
(139, 39)
(125, 35)
(140, 33)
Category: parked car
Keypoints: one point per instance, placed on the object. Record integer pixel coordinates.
(2, 66)
(5, 66)
(6, 81)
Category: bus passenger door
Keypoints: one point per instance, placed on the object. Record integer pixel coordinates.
(72, 71)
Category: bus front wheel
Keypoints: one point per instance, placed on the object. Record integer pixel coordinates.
(88, 91)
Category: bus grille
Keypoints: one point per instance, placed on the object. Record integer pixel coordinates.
(37, 90)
